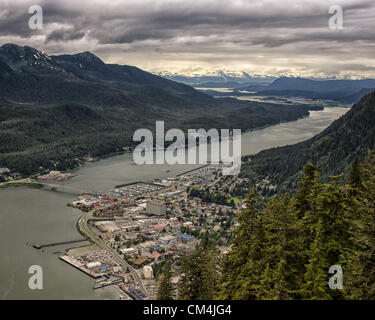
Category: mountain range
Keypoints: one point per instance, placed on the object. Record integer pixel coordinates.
(348, 91)
(217, 79)
(56, 110)
(344, 91)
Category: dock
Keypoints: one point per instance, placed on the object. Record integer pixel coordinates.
(40, 246)
(107, 283)
(80, 266)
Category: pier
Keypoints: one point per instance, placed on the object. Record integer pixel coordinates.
(66, 189)
(40, 246)
(107, 283)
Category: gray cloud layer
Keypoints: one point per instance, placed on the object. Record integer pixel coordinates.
(260, 36)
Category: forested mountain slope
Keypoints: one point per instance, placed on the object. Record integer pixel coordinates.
(333, 150)
(347, 91)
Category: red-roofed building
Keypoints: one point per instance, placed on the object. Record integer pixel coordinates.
(108, 198)
(156, 254)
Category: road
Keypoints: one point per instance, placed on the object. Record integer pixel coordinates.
(83, 225)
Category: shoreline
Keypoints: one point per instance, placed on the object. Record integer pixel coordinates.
(16, 184)
(122, 152)
(128, 149)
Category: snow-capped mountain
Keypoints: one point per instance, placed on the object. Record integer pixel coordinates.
(216, 77)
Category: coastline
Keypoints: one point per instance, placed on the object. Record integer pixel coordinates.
(17, 184)
(82, 163)
(128, 149)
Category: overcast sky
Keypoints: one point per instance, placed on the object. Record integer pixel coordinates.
(267, 37)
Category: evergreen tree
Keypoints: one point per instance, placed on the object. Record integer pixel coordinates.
(354, 178)
(331, 237)
(316, 280)
(360, 275)
(308, 183)
(244, 264)
(199, 272)
(284, 261)
(166, 290)
(305, 206)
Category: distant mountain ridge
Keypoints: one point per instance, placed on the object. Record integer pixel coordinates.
(320, 86)
(218, 78)
(348, 91)
(345, 91)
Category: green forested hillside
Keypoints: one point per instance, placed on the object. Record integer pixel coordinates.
(283, 249)
(332, 150)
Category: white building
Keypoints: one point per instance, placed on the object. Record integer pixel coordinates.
(127, 250)
(93, 264)
(148, 273)
(107, 226)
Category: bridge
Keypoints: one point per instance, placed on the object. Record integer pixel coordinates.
(67, 189)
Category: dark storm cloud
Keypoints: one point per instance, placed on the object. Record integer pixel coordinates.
(13, 20)
(65, 34)
(241, 22)
(128, 22)
(207, 30)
